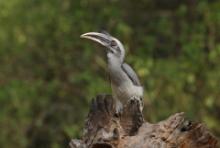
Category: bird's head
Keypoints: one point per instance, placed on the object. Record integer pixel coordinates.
(115, 49)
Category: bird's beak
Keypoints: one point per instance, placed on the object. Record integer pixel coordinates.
(100, 38)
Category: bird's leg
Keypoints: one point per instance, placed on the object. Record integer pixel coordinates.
(118, 108)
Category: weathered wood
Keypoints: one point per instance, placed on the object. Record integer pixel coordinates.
(105, 129)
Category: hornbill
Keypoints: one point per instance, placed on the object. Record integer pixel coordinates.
(124, 81)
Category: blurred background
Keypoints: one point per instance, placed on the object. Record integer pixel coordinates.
(48, 75)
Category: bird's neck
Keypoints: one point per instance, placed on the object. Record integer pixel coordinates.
(115, 73)
(114, 65)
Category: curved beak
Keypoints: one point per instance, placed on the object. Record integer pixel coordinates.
(100, 38)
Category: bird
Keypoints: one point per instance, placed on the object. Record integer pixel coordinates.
(125, 83)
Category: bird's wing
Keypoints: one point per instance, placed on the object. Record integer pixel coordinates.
(131, 74)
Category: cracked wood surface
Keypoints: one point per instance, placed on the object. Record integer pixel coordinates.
(104, 129)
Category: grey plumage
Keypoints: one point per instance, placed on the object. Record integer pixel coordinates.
(131, 74)
(124, 81)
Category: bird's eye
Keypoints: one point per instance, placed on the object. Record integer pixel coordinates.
(113, 43)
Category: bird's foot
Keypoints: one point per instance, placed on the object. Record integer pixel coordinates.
(140, 102)
(118, 114)
(118, 109)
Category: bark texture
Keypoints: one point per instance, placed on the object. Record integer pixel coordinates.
(105, 129)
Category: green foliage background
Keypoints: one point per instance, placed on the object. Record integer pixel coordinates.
(48, 75)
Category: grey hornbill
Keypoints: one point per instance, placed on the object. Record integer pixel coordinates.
(124, 81)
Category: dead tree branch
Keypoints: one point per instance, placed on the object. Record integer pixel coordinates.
(103, 129)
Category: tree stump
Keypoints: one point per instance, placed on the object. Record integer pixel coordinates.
(105, 129)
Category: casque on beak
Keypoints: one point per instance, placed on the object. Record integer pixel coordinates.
(100, 38)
